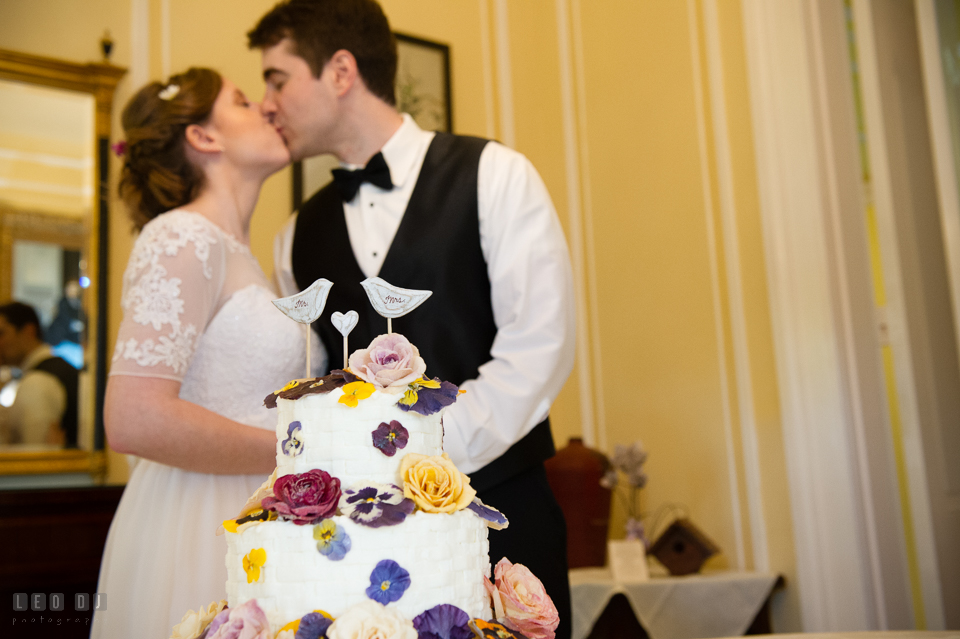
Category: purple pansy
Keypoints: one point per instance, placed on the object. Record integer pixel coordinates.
(313, 625)
(494, 518)
(430, 400)
(293, 445)
(389, 437)
(375, 505)
(388, 582)
(333, 542)
(443, 622)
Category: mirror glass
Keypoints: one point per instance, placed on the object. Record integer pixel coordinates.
(47, 203)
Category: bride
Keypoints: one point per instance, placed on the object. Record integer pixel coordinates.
(199, 348)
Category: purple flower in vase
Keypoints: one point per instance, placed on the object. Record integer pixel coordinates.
(443, 622)
(389, 437)
(293, 445)
(375, 505)
(388, 582)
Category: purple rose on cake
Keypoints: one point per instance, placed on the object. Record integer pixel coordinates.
(305, 498)
(391, 363)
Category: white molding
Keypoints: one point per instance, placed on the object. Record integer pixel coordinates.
(575, 214)
(717, 306)
(47, 159)
(738, 321)
(165, 42)
(845, 315)
(945, 170)
(920, 510)
(590, 241)
(834, 589)
(486, 55)
(139, 43)
(508, 133)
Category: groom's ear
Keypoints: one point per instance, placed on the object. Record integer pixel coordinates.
(343, 70)
(199, 139)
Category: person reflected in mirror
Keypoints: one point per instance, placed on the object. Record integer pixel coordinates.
(199, 347)
(41, 406)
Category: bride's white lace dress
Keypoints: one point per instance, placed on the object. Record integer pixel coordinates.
(197, 309)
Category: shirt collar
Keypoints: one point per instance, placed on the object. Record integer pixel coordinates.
(36, 356)
(403, 148)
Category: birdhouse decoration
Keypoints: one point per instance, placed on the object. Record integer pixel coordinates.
(683, 548)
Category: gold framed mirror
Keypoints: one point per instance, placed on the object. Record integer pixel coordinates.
(55, 119)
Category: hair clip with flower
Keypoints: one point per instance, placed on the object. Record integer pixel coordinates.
(169, 92)
(119, 148)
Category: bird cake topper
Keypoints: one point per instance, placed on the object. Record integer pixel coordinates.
(392, 301)
(305, 307)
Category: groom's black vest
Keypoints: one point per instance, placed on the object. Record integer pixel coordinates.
(436, 248)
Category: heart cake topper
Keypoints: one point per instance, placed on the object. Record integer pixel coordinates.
(392, 301)
(306, 306)
(344, 322)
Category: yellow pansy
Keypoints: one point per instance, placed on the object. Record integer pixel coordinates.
(355, 391)
(253, 561)
(230, 525)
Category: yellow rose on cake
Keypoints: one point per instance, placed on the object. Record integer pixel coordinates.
(434, 483)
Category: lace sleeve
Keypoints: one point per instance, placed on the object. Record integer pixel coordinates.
(170, 290)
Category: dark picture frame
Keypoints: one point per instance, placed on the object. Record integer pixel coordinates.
(423, 90)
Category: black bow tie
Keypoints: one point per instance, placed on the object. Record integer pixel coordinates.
(376, 172)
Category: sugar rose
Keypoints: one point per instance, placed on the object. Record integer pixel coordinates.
(246, 621)
(391, 363)
(521, 603)
(305, 498)
(370, 620)
(434, 483)
(194, 623)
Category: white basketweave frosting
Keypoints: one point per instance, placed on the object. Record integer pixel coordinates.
(447, 556)
(339, 439)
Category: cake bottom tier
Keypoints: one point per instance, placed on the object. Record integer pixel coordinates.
(446, 556)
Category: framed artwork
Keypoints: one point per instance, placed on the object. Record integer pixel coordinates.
(422, 90)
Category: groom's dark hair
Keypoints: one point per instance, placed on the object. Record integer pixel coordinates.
(320, 28)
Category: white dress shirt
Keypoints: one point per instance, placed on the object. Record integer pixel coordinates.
(531, 289)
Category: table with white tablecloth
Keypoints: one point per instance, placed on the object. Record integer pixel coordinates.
(721, 604)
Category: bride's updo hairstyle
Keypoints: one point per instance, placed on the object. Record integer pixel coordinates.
(157, 176)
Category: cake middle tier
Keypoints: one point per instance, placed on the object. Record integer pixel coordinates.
(446, 557)
(339, 439)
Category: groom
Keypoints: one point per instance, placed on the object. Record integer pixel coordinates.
(466, 218)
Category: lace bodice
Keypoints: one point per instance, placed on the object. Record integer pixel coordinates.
(197, 309)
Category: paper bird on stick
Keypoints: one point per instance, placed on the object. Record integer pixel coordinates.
(305, 307)
(392, 301)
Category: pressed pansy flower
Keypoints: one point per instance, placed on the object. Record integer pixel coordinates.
(355, 391)
(375, 505)
(333, 542)
(445, 621)
(428, 396)
(314, 386)
(388, 582)
(293, 445)
(389, 437)
(313, 625)
(253, 561)
(492, 516)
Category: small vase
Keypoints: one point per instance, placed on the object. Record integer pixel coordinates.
(574, 474)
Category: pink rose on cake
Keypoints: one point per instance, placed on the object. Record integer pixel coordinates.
(305, 498)
(520, 601)
(391, 363)
(246, 621)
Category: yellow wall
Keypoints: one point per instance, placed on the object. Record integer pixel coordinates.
(660, 360)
